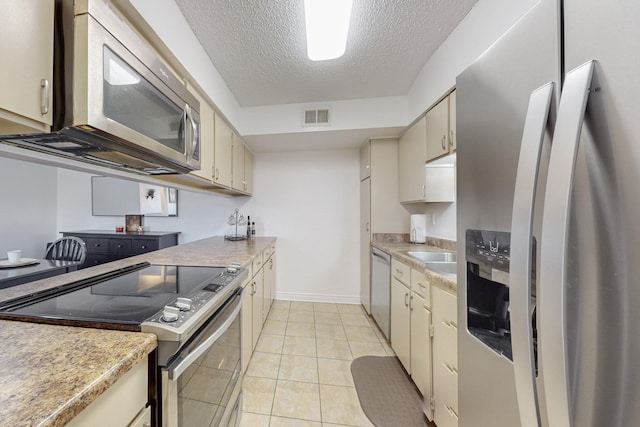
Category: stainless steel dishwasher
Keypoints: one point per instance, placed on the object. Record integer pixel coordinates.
(381, 290)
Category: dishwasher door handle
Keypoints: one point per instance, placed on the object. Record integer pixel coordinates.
(384, 259)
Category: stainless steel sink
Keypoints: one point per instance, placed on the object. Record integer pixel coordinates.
(427, 257)
(439, 262)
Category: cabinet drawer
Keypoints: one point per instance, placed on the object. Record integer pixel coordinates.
(401, 272)
(421, 286)
(92, 260)
(257, 263)
(120, 246)
(97, 245)
(141, 246)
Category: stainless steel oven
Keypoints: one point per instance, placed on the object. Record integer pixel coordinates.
(194, 312)
(201, 384)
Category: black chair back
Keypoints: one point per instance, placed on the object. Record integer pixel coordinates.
(68, 248)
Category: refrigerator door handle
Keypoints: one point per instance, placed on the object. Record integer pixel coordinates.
(520, 263)
(554, 245)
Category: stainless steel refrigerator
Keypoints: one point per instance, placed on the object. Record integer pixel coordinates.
(548, 164)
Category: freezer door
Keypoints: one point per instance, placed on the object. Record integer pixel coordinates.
(601, 284)
(492, 100)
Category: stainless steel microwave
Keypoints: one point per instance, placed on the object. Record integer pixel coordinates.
(115, 103)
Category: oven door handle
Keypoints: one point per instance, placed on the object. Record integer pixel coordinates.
(181, 364)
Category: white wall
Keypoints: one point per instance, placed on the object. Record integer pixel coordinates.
(482, 26)
(310, 201)
(27, 207)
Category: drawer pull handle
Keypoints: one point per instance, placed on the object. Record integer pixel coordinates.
(143, 247)
(97, 245)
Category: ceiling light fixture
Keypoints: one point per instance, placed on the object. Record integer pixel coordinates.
(327, 25)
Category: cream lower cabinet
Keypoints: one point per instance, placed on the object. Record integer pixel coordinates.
(246, 323)
(445, 358)
(123, 404)
(401, 322)
(26, 77)
(421, 338)
(411, 326)
(258, 297)
(269, 284)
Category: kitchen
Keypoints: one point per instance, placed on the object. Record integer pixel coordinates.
(319, 204)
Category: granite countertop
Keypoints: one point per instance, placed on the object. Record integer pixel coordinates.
(50, 373)
(396, 249)
(210, 252)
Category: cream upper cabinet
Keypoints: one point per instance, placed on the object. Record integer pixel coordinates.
(26, 76)
(248, 171)
(242, 179)
(206, 139)
(445, 358)
(222, 152)
(452, 121)
(411, 161)
(237, 180)
(440, 130)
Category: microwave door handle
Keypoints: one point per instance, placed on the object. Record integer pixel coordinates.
(194, 131)
(183, 126)
(520, 266)
(555, 245)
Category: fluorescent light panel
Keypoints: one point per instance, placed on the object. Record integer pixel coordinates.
(327, 24)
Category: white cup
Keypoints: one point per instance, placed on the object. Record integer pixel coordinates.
(14, 256)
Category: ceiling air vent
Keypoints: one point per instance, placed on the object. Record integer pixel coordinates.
(316, 117)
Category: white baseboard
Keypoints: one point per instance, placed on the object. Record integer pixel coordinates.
(340, 299)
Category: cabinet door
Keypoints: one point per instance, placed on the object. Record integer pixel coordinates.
(437, 122)
(400, 323)
(206, 139)
(246, 325)
(411, 160)
(222, 152)
(237, 180)
(421, 346)
(248, 171)
(365, 248)
(26, 77)
(258, 296)
(269, 285)
(452, 121)
(365, 160)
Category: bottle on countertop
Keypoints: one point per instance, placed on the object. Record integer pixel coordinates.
(248, 227)
(253, 230)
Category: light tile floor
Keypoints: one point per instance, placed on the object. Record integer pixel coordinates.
(299, 375)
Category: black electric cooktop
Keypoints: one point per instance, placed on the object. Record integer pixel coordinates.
(127, 298)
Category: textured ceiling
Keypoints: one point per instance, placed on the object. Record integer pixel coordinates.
(259, 47)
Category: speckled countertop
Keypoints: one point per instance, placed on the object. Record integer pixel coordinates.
(50, 373)
(396, 249)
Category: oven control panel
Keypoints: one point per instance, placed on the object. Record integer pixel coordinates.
(186, 313)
